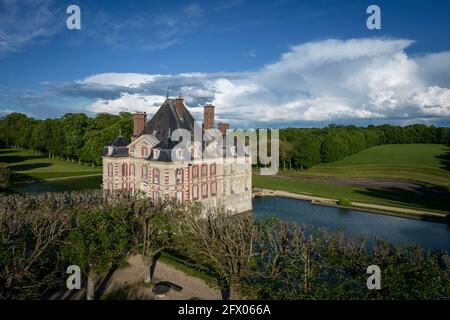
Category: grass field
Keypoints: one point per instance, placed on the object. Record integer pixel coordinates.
(26, 166)
(425, 166)
(426, 163)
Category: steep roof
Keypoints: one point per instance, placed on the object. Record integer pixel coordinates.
(116, 149)
(120, 142)
(166, 120)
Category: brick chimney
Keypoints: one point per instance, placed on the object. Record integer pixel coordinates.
(208, 117)
(179, 105)
(222, 126)
(139, 121)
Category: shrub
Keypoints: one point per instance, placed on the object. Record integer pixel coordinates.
(345, 202)
(4, 175)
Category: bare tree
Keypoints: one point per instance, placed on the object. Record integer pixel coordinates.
(221, 242)
(30, 229)
(152, 230)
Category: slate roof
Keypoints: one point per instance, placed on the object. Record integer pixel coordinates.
(167, 120)
(118, 148)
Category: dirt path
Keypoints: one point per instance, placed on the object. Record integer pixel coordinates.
(127, 283)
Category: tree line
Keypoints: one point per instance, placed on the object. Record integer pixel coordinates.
(77, 136)
(302, 148)
(42, 234)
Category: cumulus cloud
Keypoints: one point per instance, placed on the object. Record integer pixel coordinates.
(328, 80)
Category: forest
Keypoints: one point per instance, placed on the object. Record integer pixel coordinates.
(77, 136)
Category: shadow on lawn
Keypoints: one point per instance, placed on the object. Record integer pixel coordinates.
(421, 197)
(15, 158)
(29, 166)
(444, 159)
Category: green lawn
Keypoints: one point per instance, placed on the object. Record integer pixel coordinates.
(423, 163)
(26, 166)
(428, 163)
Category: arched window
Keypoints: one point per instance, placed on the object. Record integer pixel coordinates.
(213, 188)
(195, 192)
(204, 190)
(179, 176)
(132, 170)
(212, 169)
(195, 172)
(155, 176)
(204, 170)
(144, 151)
(124, 170)
(144, 172)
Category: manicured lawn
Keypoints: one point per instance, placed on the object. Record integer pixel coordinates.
(26, 166)
(428, 163)
(419, 163)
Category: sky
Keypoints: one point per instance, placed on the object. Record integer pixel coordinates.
(261, 63)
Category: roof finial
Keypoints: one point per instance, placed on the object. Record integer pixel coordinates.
(120, 132)
(167, 92)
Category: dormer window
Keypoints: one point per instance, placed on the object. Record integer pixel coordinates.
(110, 151)
(155, 154)
(144, 151)
(179, 153)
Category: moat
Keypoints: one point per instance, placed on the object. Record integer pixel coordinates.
(431, 235)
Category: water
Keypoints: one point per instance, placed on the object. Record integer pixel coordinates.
(431, 235)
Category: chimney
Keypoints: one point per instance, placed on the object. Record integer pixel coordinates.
(208, 117)
(139, 121)
(179, 105)
(222, 126)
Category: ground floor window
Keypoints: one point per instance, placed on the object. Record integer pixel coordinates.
(195, 192)
(213, 188)
(204, 190)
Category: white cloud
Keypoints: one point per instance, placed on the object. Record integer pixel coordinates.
(132, 80)
(317, 81)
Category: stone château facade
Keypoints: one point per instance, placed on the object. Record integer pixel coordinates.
(201, 171)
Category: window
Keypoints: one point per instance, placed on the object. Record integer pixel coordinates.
(144, 172)
(124, 186)
(179, 176)
(204, 170)
(110, 186)
(204, 190)
(214, 188)
(155, 154)
(110, 170)
(132, 188)
(232, 187)
(132, 170)
(179, 153)
(110, 151)
(212, 169)
(195, 192)
(194, 171)
(144, 151)
(124, 170)
(155, 176)
(178, 197)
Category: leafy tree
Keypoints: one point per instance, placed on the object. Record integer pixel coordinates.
(99, 240)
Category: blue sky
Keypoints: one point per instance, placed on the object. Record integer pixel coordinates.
(271, 63)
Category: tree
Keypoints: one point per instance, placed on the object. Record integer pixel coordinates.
(221, 242)
(4, 175)
(31, 229)
(99, 240)
(152, 231)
